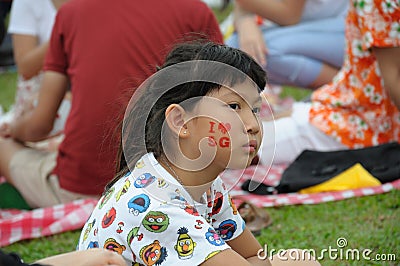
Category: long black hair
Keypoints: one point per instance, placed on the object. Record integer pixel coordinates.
(158, 93)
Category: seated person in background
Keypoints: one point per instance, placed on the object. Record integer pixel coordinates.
(30, 26)
(304, 44)
(5, 6)
(360, 107)
(104, 51)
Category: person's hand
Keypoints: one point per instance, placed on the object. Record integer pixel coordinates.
(5, 131)
(90, 257)
(251, 39)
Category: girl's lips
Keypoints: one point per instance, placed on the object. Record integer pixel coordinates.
(251, 146)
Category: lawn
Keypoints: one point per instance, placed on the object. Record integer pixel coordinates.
(371, 222)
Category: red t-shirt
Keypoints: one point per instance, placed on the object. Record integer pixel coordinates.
(107, 49)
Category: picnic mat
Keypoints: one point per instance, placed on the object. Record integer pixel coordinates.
(16, 225)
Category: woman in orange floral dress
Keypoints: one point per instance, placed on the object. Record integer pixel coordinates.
(360, 107)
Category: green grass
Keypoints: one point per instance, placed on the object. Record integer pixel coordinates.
(371, 222)
(8, 83)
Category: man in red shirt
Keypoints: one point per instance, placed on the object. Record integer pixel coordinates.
(101, 51)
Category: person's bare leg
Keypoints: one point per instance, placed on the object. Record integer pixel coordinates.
(294, 257)
(326, 76)
(8, 148)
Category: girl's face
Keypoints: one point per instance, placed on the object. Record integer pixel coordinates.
(226, 124)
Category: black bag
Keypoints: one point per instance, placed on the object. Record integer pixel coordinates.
(314, 167)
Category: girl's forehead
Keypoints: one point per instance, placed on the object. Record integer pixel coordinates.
(245, 91)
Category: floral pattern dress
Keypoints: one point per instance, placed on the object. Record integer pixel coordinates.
(355, 108)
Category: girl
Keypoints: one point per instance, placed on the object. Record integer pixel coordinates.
(197, 116)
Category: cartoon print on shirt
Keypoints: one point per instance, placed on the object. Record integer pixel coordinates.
(119, 229)
(123, 190)
(156, 221)
(212, 254)
(93, 244)
(199, 224)
(226, 229)
(138, 204)
(218, 200)
(190, 209)
(213, 238)
(109, 217)
(184, 245)
(161, 183)
(106, 197)
(113, 245)
(233, 205)
(153, 254)
(140, 164)
(132, 234)
(88, 229)
(144, 180)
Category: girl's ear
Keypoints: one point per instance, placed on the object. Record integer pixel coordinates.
(174, 115)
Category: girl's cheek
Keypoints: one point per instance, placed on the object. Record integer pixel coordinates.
(219, 134)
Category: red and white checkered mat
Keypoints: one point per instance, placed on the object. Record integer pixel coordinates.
(234, 179)
(16, 225)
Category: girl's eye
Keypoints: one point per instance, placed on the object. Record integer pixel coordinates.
(234, 106)
(257, 110)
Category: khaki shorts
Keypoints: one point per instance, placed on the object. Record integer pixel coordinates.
(30, 171)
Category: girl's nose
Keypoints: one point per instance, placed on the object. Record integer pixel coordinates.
(251, 123)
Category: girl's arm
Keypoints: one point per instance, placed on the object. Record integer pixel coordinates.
(244, 252)
(28, 55)
(36, 125)
(90, 257)
(281, 12)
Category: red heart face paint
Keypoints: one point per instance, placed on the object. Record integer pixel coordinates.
(224, 141)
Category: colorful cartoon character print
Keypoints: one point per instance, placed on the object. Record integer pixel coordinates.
(213, 238)
(226, 229)
(132, 234)
(144, 180)
(217, 203)
(93, 244)
(106, 197)
(161, 183)
(109, 218)
(153, 254)
(190, 209)
(139, 164)
(113, 245)
(156, 221)
(184, 245)
(88, 229)
(123, 190)
(120, 229)
(212, 254)
(138, 204)
(234, 209)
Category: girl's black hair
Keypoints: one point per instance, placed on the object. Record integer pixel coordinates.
(150, 98)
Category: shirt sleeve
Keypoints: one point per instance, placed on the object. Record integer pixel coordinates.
(56, 56)
(226, 219)
(22, 18)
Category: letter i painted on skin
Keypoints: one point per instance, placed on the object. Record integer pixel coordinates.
(212, 124)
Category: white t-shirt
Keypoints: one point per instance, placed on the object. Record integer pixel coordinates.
(32, 18)
(149, 218)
